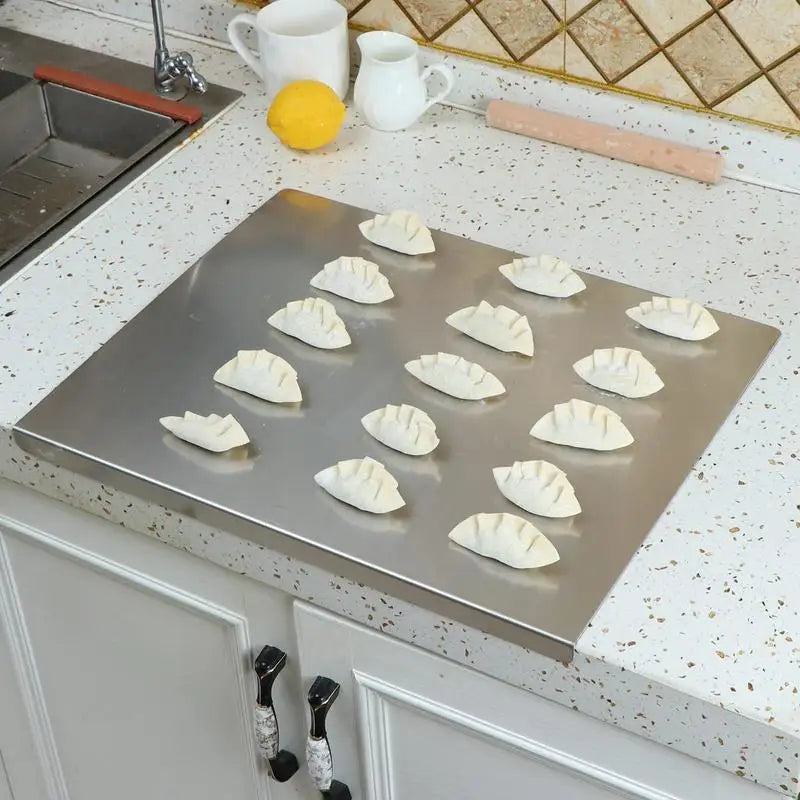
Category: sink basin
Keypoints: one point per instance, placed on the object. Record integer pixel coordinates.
(60, 147)
(64, 152)
(10, 82)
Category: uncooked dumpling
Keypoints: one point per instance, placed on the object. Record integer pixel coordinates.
(402, 231)
(539, 487)
(363, 483)
(354, 278)
(405, 428)
(581, 424)
(456, 376)
(313, 321)
(262, 374)
(507, 538)
(213, 432)
(673, 316)
(545, 275)
(620, 370)
(501, 327)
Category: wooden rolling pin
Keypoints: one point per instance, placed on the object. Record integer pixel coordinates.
(635, 148)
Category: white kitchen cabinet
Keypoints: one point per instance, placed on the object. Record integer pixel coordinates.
(126, 666)
(409, 724)
(126, 672)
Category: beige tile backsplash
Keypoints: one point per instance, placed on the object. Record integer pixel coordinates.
(739, 57)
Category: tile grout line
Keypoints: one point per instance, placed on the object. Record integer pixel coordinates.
(545, 41)
(763, 70)
(662, 48)
(589, 58)
(579, 14)
(411, 19)
(494, 33)
(451, 22)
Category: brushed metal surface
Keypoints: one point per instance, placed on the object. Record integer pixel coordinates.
(103, 420)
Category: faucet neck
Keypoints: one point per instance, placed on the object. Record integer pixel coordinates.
(158, 27)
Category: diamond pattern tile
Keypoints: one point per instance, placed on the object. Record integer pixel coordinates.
(549, 56)
(787, 76)
(471, 34)
(754, 21)
(522, 25)
(665, 19)
(433, 15)
(684, 51)
(574, 7)
(612, 37)
(384, 15)
(659, 78)
(760, 98)
(576, 63)
(711, 58)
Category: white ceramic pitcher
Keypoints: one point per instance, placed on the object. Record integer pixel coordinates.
(390, 91)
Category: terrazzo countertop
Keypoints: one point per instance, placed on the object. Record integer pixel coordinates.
(698, 644)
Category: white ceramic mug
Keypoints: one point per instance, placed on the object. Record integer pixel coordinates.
(297, 40)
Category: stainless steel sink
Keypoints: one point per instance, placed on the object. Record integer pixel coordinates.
(64, 152)
(10, 82)
(58, 148)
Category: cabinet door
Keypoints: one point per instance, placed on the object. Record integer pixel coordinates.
(133, 661)
(409, 724)
(17, 745)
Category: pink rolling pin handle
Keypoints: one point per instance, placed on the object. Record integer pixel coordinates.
(635, 148)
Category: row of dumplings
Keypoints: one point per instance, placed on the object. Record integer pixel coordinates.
(405, 232)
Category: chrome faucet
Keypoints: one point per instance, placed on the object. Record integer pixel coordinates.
(168, 69)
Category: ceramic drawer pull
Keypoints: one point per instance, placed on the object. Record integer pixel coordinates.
(283, 764)
(318, 752)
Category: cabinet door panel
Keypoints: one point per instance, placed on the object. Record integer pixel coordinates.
(412, 724)
(441, 760)
(151, 678)
(21, 774)
(136, 660)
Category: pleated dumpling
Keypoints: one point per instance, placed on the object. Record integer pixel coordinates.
(262, 374)
(214, 433)
(455, 376)
(547, 275)
(363, 483)
(354, 278)
(500, 327)
(539, 487)
(402, 231)
(674, 316)
(581, 424)
(620, 370)
(507, 538)
(405, 428)
(313, 321)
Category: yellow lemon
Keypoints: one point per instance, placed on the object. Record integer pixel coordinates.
(306, 115)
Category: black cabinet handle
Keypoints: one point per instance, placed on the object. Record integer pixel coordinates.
(282, 764)
(318, 752)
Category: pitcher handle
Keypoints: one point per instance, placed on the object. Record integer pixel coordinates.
(250, 58)
(447, 74)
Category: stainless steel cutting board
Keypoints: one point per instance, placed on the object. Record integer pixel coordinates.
(103, 420)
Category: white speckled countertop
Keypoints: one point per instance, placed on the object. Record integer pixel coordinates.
(698, 644)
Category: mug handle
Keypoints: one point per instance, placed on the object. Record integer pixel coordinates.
(447, 74)
(250, 58)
